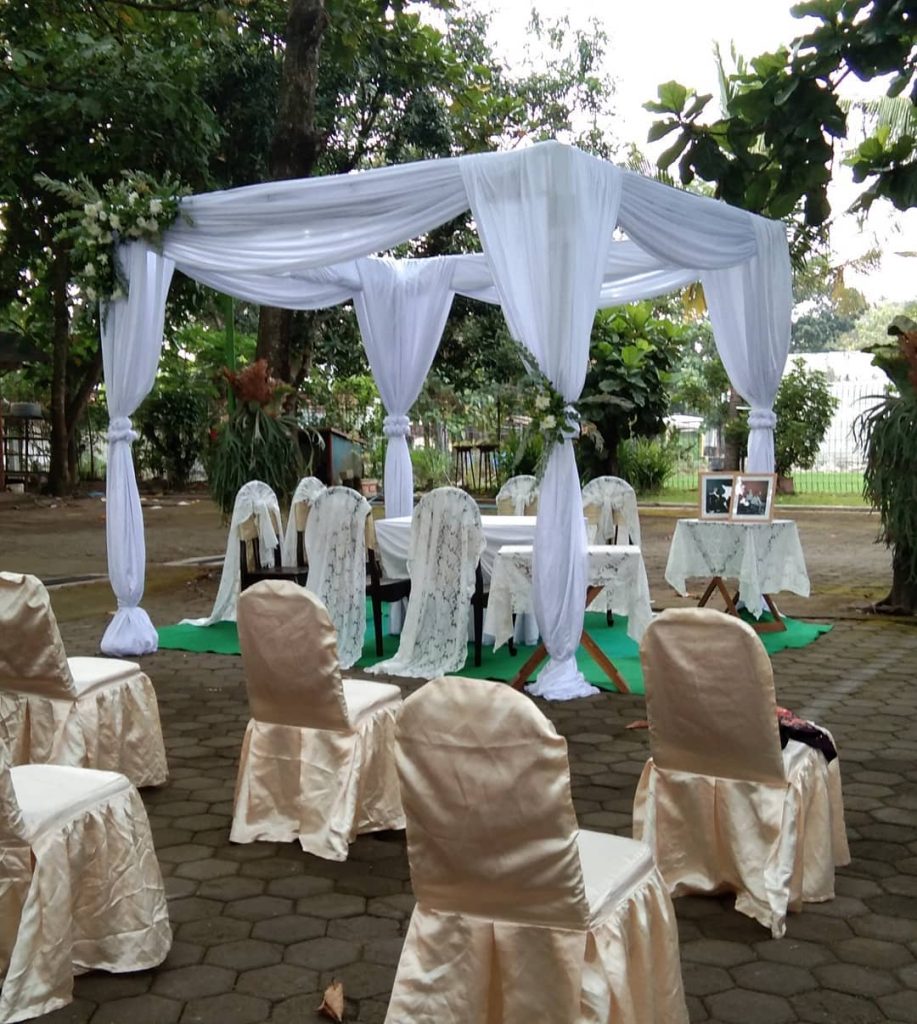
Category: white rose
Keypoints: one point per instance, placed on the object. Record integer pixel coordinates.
(115, 222)
(133, 232)
(89, 270)
(542, 402)
(548, 423)
(94, 230)
(155, 206)
(132, 197)
(103, 215)
(90, 210)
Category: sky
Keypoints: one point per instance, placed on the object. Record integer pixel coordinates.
(655, 41)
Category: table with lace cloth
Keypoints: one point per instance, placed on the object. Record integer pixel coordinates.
(615, 571)
(763, 557)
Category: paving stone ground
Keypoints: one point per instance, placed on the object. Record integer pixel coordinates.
(260, 929)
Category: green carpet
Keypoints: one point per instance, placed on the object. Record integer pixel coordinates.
(222, 638)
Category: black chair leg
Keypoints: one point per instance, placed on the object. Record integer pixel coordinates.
(377, 625)
(609, 618)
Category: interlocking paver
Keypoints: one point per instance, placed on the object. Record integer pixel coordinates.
(260, 928)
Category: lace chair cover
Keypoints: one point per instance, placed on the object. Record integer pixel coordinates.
(518, 497)
(307, 490)
(616, 501)
(317, 762)
(336, 552)
(445, 547)
(88, 712)
(720, 803)
(80, 885)
(255, 501)
(519, 916)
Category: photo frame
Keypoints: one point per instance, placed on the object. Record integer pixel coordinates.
(753, 497)
(716, 490)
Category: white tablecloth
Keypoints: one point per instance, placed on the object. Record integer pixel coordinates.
(763, 557)
(617, 568)
(393, 537)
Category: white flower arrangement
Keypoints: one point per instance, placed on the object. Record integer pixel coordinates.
(134, 206)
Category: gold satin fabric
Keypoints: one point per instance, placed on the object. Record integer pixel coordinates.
(80, 892)
(87, 712)
(310, 769)
(723, 807)
(517, 920)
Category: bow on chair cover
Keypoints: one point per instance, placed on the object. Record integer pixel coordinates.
(307, 490)
(519, 493)
(336, 551)
(254, 499)
(445, 547)
(617, 503)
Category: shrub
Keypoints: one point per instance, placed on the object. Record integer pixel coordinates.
(431, 468)
(646, 462)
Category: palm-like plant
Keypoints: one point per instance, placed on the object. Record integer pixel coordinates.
(888, 432)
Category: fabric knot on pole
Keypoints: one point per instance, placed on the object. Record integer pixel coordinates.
(396, 426)
(762, 419)
(120, 429)
(571, 427)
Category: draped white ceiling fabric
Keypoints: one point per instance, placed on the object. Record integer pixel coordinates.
(545, 214)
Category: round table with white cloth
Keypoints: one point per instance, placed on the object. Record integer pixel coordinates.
(618, 569)
(763, 557)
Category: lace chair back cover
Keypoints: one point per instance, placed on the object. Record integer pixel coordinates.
(617, 504)
(446, 543)
(336, 552)
(307, 490)
(710, 697)
(485, 785)
(518, 497)
(290, 659)
(32, 655)
(256, 513)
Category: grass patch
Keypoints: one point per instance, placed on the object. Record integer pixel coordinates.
(689, 496)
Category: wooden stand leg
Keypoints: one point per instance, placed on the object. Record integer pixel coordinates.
(604, 663)
(535, 659)
(777, 626)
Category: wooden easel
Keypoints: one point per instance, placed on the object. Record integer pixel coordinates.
(777, 626)
(598, 656)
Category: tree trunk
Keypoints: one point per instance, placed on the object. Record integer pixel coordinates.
(902, 598)
(294, 151)
(730, 443)
(77, 400)
(58, 476)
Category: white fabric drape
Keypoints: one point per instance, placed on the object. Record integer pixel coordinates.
(336, 553)
(750, 308)
(131, 342)
(307, 490)
(402, 309)
(545, 218)
(257, 500)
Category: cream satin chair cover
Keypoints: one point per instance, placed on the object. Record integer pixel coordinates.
(447, 540)
(336, 552)
(615, 502)
(88, 712)
(721, 804)
(518, 497)
(317, 759)
(255, 513)
(520, 917)
(80, 885)
(307, 490)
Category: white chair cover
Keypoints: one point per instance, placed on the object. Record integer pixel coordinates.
(519, 916)
(317, 762)
(446, 544)
(722, 806)
(80, 885)
(617, 504)
(87, 712)
(336, 552)
(307, 490)
(254, 499)
(518, 497)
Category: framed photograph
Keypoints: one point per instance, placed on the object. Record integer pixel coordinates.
(753, 497)
(716, 495)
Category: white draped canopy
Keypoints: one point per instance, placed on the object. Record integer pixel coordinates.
(546, 216)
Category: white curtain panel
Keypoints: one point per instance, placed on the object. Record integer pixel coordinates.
(545, 217)
(131, 343)
(750, 308)
(402, 307)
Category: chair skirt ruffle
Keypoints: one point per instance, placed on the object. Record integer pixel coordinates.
(319, 786)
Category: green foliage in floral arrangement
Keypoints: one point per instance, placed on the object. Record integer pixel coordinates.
(134, 207)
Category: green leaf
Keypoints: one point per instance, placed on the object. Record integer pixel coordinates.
(659, 129)
(672, 96)
(666, 158)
